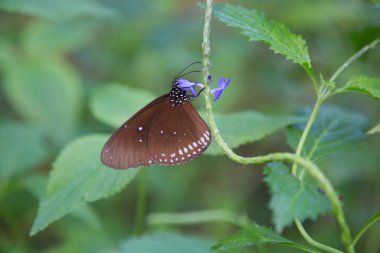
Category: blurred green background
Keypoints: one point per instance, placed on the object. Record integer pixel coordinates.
(55, 55)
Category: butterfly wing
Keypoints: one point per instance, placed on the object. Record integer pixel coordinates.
(178, 135)
(128, 146)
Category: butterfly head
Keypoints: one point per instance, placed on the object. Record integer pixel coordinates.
(178, 95)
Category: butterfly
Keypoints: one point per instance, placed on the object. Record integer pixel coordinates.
(167, 131)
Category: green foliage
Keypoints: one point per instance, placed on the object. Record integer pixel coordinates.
(58, 64)
(78, 177)
(244, 127)
(113, 104)
(46, 93)
(16, 158)
(43, 40)
(162, 243)
(256, 235)
(335, 130)
(292, 199)
(258, 27)
(363, 84)
(60, 9)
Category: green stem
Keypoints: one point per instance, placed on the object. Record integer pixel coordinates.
(306, 131)
(206, 47)
(311, 241)
(310, 167)
(196, 217)
(353, 58)
(141, 202)
(365, 228)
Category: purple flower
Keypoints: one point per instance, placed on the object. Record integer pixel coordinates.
(187, 85)
(222, 85)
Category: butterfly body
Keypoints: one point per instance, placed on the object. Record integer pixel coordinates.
(167, 131)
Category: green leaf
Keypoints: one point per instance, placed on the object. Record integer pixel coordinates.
(43, 39)
(46, 94)
(114, 104)
(375, 129)
(59, 9)
(87, 215)
(21, 147)
(249, 126)
(334, 131)
(256, 235)
(163, 243)
(363, 84)
(78, 177)
(258, 27)
(291, 198)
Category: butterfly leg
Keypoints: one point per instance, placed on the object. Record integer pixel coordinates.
(197, 95)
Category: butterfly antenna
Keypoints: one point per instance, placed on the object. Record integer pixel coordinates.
(193, 71)
(188, 66)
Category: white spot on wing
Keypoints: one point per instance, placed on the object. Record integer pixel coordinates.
(180, 151)
(185, 149)
(140, 128)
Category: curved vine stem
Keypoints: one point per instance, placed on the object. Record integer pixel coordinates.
(353, 58)
(310, 167)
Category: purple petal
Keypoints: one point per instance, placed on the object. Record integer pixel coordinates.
(185, 84)
(217, 95)
(222, 85)
(193, 92)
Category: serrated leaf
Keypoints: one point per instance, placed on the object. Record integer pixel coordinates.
(256, 235)
(375, 129)
(335, 130)
(258, 27)
(291, 199)
(46, 94)
(60, 9)
(249, 126)
(163, 243)
(114, 103)
(364, 84)
(78, 177)
(21, 148)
